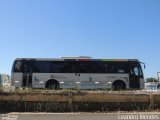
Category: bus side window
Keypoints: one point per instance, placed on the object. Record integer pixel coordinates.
(112, 68)
(47, 68)
(56, 67)
(105, 67)
(122, 68)
(66, 67)
(42, 67)
(18, 66)
(25, 68)
(100, 67)
(28, 67)
(82, 68)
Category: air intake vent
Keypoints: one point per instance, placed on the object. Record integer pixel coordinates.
(79, 57)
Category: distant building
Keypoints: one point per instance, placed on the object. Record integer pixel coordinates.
(5, 80)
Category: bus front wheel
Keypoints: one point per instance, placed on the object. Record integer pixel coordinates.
(119, 85)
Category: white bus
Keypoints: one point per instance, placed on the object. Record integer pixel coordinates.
(81, 73)
(5, 80)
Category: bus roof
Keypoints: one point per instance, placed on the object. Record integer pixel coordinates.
(79, 59)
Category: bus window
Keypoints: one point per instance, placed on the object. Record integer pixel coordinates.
(56, 67)
(112, 68)
(122, 68)
(63, 67)
(99, 67)
(135, 70)
(83, 68)
(42, 67)
(18, 66)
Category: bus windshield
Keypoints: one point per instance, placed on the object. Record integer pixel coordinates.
(136, 70)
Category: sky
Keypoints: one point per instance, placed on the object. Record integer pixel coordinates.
(126, 29)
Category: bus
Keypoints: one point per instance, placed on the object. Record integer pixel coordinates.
(77, 73)
(5, 80)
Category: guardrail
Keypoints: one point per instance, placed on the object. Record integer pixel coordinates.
(61, 101)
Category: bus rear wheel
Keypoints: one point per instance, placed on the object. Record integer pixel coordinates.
(119, 85)
(52, 85)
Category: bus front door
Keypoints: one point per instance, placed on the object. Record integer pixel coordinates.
(27, 75)
(134, 80)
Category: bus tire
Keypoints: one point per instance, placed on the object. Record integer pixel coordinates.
(118, 85)
(52, 85)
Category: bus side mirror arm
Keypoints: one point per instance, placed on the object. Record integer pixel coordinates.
(143, 64)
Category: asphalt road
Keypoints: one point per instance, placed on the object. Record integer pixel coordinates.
(82, 116)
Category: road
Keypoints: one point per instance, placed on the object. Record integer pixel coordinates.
(82, 116)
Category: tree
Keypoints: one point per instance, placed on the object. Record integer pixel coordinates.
(151, 80)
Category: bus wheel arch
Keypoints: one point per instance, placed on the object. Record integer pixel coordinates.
(52, 84)
(118, 85)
